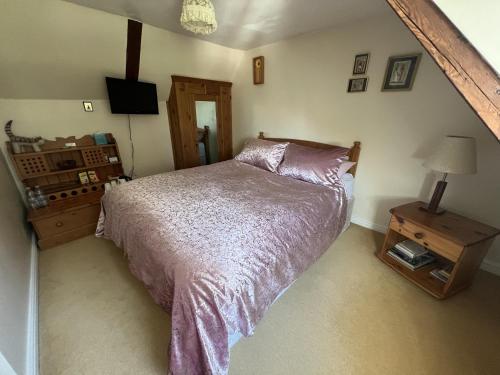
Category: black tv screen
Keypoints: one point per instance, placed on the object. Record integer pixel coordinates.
(132, 97)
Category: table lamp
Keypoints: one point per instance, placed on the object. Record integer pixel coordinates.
(456, 155)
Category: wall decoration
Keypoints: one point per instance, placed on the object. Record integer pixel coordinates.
(361, 63)
(357, 85)
(18, 143)
(258, 70)
(87, 106)
(400, 72)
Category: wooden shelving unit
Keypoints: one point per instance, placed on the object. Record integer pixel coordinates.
(73, 208)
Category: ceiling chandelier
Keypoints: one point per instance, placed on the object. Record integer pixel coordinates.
(198, 16)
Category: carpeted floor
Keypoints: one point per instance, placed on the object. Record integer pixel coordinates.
(348, 314)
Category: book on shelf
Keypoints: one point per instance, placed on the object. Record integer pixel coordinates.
(411, 249)
(445, 273)
(411, 263)
(436, 272)
(442, 274)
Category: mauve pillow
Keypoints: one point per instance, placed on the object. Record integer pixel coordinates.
(320, 167)
(344, 167)
(263, 154)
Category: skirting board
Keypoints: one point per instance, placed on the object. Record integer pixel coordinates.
(368, 224)
(487, 265)
(493, 267)
(32, 337)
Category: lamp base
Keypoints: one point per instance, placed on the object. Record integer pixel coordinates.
(433, 207)
(439, 211)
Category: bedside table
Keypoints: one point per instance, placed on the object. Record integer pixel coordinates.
(455, 240)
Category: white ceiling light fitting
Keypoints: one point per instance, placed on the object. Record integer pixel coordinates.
(198, 16)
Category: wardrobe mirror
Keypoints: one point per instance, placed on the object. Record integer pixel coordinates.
(206, 120)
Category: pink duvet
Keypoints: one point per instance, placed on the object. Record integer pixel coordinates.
(215, 245)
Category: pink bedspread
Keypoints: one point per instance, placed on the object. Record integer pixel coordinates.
(215, 245)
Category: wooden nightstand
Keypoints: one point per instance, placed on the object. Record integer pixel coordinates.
(455, 240)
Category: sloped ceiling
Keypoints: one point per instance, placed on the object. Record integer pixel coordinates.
(483, 35)
(466, 68)
(245, 24)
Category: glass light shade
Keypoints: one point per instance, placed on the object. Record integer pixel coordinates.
(198, 16)
(455, 154)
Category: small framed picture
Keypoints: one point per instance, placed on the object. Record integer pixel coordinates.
(357, 85)
(84, 178)
(93, 177)
(361, 63)
(258, 70)
(400, 72)
(87, 106)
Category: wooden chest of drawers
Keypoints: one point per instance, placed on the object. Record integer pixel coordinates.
(59, 224)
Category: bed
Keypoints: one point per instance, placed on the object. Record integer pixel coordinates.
(216, 245)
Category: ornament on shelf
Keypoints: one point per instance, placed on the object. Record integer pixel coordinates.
(18, 142)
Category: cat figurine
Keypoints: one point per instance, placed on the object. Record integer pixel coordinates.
(18, 142)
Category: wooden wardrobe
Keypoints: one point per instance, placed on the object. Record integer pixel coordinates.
(181, 105)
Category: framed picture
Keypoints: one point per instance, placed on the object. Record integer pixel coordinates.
(258, 70)
(400, 72)
(357, 85)
(360, 64)
(87, 106)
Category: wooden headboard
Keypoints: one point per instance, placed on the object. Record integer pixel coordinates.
(353, 153)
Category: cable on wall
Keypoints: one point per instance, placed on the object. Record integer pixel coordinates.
(131, 173)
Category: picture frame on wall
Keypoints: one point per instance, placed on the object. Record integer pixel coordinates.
(400, 72)
(87, 106)
(258, 70)
(361, 63)
(357, 84)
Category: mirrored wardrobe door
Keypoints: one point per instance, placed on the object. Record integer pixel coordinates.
(206, 119)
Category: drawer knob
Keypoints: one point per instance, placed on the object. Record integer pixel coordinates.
(419, 235)
(59, 224)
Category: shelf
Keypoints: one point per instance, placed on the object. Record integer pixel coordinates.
(420, 276)
(72, 170)
(66, 149)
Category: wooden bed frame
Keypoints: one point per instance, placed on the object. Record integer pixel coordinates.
(353, 153)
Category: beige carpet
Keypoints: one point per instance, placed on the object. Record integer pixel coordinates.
(348, 314)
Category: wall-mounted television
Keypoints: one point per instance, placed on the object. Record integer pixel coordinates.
(132, 97)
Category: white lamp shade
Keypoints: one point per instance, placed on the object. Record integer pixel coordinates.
(198, 16)
(454, 154)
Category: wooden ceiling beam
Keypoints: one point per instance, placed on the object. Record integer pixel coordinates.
(467, 70)
(134, 34)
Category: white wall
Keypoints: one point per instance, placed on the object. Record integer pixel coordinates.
(478, 21)
(304, 96)
(55, 54)
(15, 245)
(53, 49)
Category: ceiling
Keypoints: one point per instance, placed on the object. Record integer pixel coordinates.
(246, 24)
